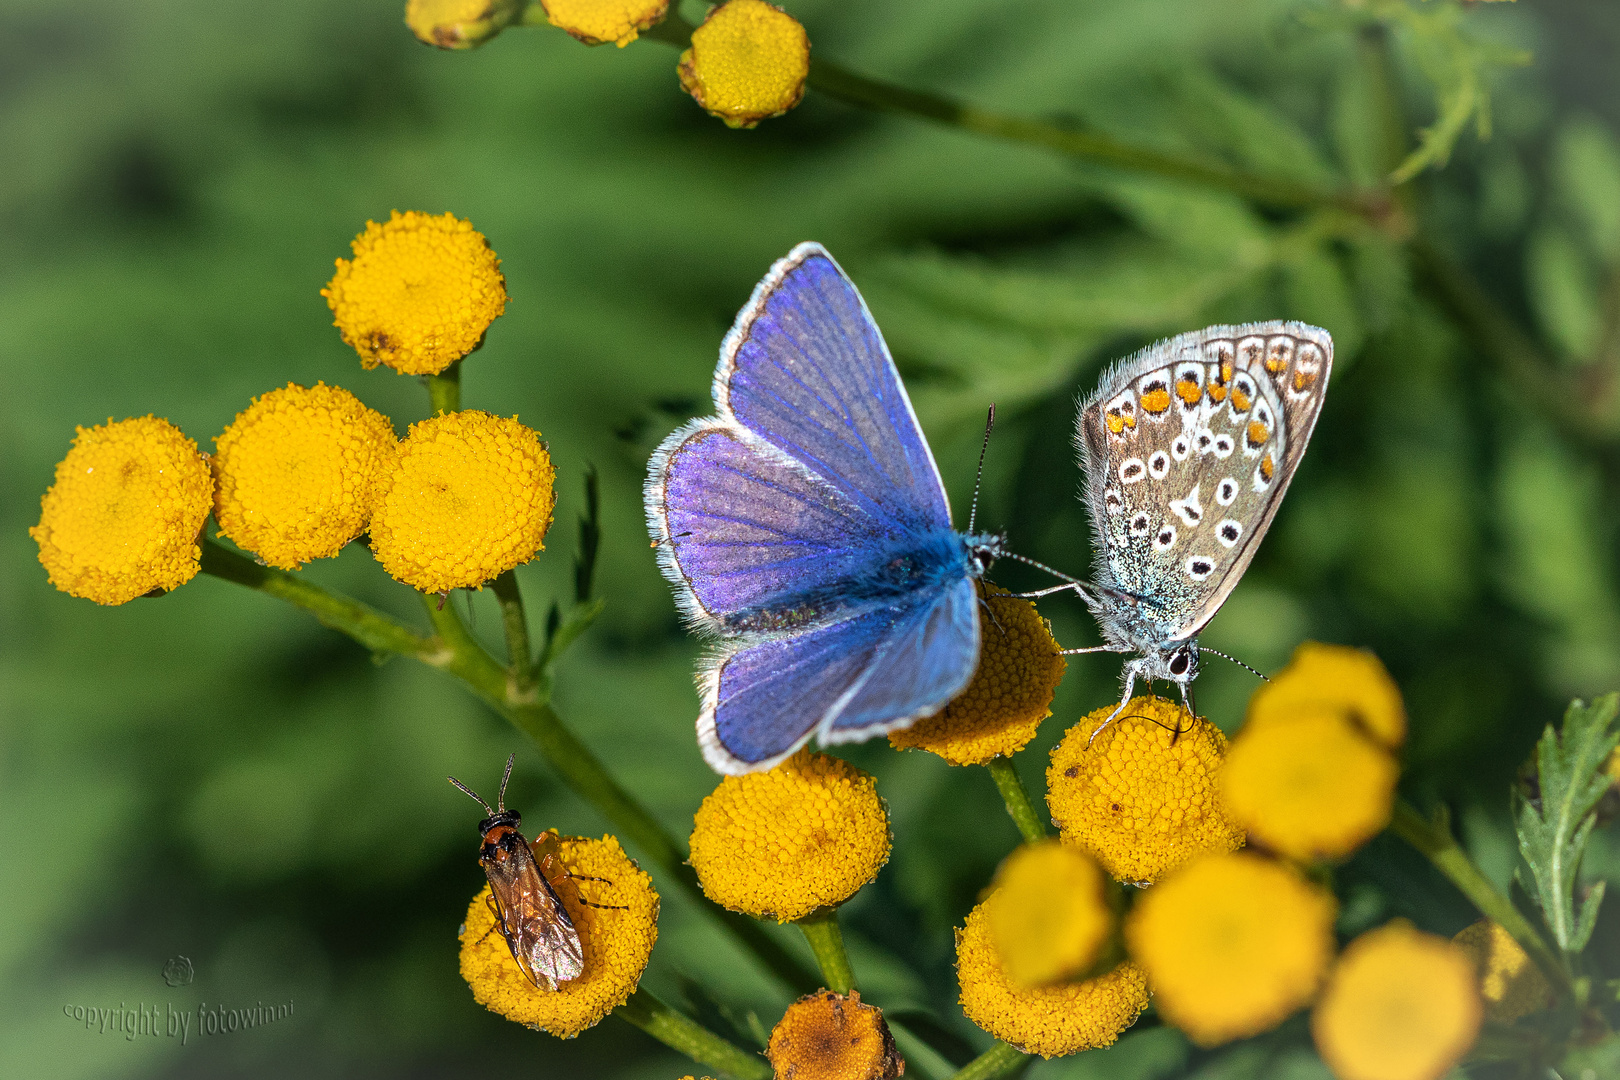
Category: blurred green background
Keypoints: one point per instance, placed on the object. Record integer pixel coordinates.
(214, 775)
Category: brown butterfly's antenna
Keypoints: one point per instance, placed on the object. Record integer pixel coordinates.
(1236, 661)
(500, 802)
(473, 793)
(989, 425)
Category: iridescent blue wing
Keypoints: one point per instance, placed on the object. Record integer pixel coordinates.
(849, 680)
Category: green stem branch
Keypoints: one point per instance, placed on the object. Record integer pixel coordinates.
(518, 652)
(826, 940)
(444, 389)
(1017, 799)
(999, 1061)
(690, 1038)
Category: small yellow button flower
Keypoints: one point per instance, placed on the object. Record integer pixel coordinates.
(298, 472)
(1232, 945)
(123, 517)
(1313, 787)
(597, 22)
(468, 498)
(419, 294)
(1338, 678)
(998, 714)
(1142, 797)
(616, 942)
(827, 1036)
(1049, 916)
(748, 62)
(780, 844)
(1051, 1021)
(1509, 981)
(1401, 1005)
(460, 24)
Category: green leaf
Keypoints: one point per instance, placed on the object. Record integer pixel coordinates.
(1553, 828)
(569, 627)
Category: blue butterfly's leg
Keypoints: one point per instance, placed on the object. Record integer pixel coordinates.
(1125, 699)
(988, 610)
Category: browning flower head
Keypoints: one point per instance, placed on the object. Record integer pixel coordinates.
(780, 844)
(1063, 1018)
(123, 517)
(460, 24)
(597, 22)
(748, 62)
(1334, 678)
(998, 714)
(1142, 797)
(1313, 787)
(1401, 1005)
(298, 472)
(1048, 913)
(469, 497)
(1509, 981)
(419, 294)
(827, 1036)
(616, 943)
(1232, 945)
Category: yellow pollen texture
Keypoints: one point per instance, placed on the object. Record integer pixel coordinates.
(469, 497)
(1142, 798)
(1401, 1005)
(748, 62)
(615, 940)
(298, 472)
(123, 516)
(597, 22)
(1509, 981)
(1335, 677)
(1048, 915)
(827, 1036)
(419, 293)
(780, 844)
(1232, 945)
(999, 712)
(1063, 1018)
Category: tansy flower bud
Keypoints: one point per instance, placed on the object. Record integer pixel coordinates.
(469, 497)
(597, 22)
(998, 714)
(1142, 797)
(1337, 678)
(460, 24)
(780, 844)
(1049, 916)
(1232, 945)
(1401, 1006)
(419, 294)
(616, 941)
(827, 1036)
(1063, 1018)
(748, 62)
(298, 472)
(1509, 981)
(123, 517)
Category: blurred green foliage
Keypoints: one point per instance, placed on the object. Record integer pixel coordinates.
(216, 776)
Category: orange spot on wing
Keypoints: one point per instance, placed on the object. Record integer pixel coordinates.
(1267, 467)
(1187, 390)
(1217, 393)
(1156, 400)
(1258, 433)
(1303, 378)
(1115, 422)
(1240, 400)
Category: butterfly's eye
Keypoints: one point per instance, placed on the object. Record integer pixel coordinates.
(1179, 664)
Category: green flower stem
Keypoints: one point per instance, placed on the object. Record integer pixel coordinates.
(827, 942)
(1013, 794)
(1433, 838)
(998, 1061)
(444, 389)
(518, 653)
(690, 1038)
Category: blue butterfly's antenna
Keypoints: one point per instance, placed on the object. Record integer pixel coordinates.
(989, 424)
(1234, 660)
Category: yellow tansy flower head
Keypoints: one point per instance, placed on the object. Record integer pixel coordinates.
(748, 62)
(469, 497)
(1019, 668)
(460, 24)
(1401, 1005)
(597, 22)
(1509, 981)
(1313, 787)
(1063, 1018)
(1142, 797)
(1336, 678)
(1232, 945)
(616, 941)
(298, 472)
(123, 517)
(827, 1036)
(1049, 915)
(419, 294)
(780, 844)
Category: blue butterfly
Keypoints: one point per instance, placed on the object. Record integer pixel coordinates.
(805, 527)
